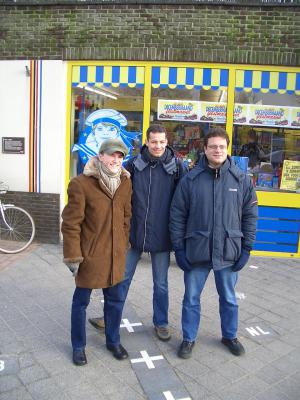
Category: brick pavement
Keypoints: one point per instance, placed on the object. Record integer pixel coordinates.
(35, 355)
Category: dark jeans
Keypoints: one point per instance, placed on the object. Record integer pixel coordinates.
(114, 298)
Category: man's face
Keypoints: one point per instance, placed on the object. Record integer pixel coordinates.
(157, 143)
(112, 161)
(216, 151)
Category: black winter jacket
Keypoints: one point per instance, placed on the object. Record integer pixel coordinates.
(213, 214)
(153, 185)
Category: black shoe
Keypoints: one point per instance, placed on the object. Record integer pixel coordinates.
(118, 351)
(79, 357)
(185, 349)
(97, 323)
(234, 346)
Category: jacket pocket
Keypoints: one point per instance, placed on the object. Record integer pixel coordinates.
(233, 244)
(197, 246)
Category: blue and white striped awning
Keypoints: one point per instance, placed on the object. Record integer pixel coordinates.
(189, 78)
(267, 81)
(115, 76)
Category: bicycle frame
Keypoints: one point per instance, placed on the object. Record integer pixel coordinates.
(2, 208)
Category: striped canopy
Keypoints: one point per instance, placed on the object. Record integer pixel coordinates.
(114, 76)
(189, 78)
(265, 81)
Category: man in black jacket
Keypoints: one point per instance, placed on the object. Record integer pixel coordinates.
(213, 224)
(154, 173)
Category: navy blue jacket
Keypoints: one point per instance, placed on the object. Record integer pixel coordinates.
(153, 185)
(213, 214)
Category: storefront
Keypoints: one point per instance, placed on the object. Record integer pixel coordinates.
(258, 106)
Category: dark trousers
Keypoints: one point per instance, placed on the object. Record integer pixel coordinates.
(114, 298)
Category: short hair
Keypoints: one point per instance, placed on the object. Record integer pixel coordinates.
(252, 134)
(216, 132)
(155, 128)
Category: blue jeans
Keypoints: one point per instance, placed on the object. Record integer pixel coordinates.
(194, 281)
(113, 306)
(160, 266)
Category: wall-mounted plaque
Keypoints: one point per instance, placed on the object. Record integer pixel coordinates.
(13, 145)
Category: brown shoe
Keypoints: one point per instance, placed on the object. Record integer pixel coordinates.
(163, 333)
(97, 323)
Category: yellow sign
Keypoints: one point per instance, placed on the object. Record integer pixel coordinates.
(290, 174)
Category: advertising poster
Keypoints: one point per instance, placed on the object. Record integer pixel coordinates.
(268, 115)
(290, 174)
(263, 115)
(213, 112)
(295, 117)
(178, 110)
(240, 113)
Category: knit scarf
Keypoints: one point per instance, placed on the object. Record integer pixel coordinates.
(111, 180)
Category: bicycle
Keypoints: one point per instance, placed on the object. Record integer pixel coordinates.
(17, 228)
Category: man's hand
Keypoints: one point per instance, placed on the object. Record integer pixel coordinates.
(242, 261)
(182, 261)
(73, 267)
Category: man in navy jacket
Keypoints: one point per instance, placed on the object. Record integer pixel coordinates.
(213, 224)
(155, 173)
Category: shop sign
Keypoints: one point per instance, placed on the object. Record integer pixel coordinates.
(264, 115)
(290, 174)
(213, 112)
(178, 110)
(13, 145)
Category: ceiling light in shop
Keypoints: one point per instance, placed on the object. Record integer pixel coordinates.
(98, 91)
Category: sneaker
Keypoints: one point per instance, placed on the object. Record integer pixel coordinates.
(97, 323)
(163, 333)
(185, 349)
(234, 346)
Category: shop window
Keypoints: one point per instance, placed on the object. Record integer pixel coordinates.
(188, 101)
(107, 102)
(266, 133)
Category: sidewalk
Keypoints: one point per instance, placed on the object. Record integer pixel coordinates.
(35, 354)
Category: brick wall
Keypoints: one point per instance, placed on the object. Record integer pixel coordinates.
(188, 32)
(44, 209)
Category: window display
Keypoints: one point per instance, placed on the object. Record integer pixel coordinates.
(107, 102)
(188, 101)
(266, 132)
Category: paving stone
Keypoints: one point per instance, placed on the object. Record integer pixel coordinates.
(8, 383)
(32, 374)
(272, 299)
(17, 394)
(9, 365)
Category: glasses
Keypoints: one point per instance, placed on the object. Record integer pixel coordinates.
(215, 147)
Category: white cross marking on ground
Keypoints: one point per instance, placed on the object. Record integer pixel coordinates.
(126, 324)
(253, 266)
(240, 295)
(146, 359)
(169, 396)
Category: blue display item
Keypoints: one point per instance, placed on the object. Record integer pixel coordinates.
(264, 180)
(241, 162)
(99, 126)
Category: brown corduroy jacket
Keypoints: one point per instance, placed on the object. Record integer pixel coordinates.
(96, 228)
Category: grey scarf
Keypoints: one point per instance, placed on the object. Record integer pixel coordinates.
(111, 180)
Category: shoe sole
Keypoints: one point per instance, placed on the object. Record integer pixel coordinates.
(163, 339)
(185, 356)
(235, 353)
(118, 358)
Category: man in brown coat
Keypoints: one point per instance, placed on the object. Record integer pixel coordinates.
(95, 230)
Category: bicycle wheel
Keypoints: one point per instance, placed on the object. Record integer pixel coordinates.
(20, 230)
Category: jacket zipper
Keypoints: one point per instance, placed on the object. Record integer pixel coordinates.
(214, 210)
(148, 201)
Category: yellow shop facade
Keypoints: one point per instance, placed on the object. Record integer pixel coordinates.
(255, 104)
